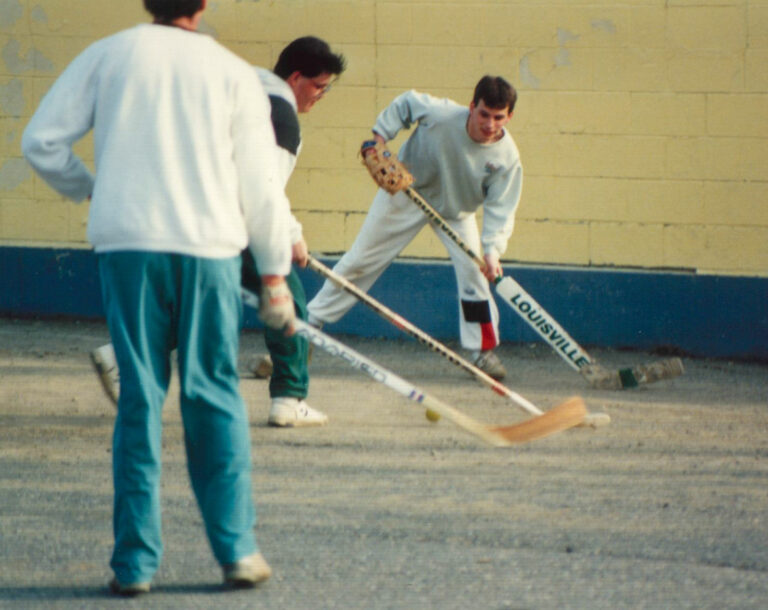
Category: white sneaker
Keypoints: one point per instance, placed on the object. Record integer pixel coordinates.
(130, 590)
(247, 572)
(289, 412)
(105, 364)
(262, 367)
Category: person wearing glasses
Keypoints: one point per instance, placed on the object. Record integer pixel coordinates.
(304, 72)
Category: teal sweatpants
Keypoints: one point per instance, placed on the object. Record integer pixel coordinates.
(290, 374)
(155, 302)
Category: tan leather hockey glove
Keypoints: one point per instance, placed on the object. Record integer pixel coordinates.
(276, 306)
(384, 167)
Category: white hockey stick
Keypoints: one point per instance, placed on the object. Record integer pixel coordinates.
(562, 417)
(545, 325)
(592, 419)
(566, 347)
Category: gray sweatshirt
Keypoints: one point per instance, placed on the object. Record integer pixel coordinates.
(451, 171)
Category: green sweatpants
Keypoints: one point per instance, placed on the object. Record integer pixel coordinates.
(156, 302)
(290, 376)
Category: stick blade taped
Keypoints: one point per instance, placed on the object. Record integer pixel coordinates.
(562, 417)
(652, 372)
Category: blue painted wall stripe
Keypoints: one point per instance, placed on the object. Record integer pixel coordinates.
(702, 315)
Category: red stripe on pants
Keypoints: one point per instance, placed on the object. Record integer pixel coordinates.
(489, 337)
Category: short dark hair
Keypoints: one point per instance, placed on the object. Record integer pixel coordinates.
(168, 10)
(310, 56)
(495, 92)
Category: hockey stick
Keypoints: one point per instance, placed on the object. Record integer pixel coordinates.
(562, 417)
(548, 329)
(591, 419)
(566, 347)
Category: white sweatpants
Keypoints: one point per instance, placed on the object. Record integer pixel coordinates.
(391, 224)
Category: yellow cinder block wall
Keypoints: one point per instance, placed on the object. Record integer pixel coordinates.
(642, 124)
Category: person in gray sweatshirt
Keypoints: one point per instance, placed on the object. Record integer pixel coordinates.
(462, 159)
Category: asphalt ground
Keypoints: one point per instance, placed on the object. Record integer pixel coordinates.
(665, 508)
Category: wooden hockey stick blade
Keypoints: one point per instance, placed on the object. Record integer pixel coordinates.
(489, 434)
(591, 420)
(565, 415)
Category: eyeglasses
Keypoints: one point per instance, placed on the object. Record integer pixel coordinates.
(323, 87)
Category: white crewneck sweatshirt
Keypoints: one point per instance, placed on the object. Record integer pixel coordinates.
(184, 149)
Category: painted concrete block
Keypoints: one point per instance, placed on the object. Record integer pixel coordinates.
(16, 178)
(717, 249)
(706, 71)
(667, 201)
(593, 112)
(322, 229)
(631, 69)
(394, 23)
(361, 64)
(341, 190)
(330, 147)
(615, 156)
(43, 221)
(344, 107)
(757, 26)
(549, 242)
(734, 114)
(256, 21)
(668, 114)
(626, 244)
(87, 19)
(756, 70)
(647, 26)
(333, 20)
(716, 28)
(558, 68)
(736, 203)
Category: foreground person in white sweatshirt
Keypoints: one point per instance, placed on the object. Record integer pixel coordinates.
(186, 177)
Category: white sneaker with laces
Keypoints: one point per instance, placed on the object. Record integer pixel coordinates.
(290, 412)
(105, 364)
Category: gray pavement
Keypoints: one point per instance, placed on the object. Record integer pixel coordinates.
(665, 508)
